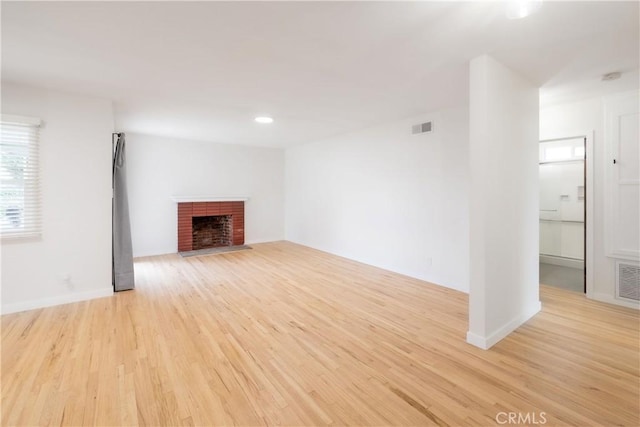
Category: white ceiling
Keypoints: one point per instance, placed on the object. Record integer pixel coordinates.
(203, 70)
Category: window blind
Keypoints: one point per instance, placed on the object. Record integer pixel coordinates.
(20, 204)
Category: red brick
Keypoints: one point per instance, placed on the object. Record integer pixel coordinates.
(213, 208)
(185, 247)
(199, 209)
(185, 211)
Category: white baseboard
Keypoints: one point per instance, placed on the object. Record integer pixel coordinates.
(486, 343)
(477, 340)
(564, 262)
(57, 300)
(612, 300)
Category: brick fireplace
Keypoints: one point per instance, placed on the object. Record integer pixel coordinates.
(204, 225)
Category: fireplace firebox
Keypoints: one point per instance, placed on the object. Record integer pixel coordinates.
(212, 231)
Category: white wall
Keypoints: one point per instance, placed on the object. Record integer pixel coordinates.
(386, 197)
(75, 152)
(504, 197)
(576, 119)
(159, 168)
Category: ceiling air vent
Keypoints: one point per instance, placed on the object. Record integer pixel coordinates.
(628, 281)
(421, 128)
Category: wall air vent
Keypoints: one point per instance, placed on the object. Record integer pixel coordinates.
(628, 280)
(421, 128)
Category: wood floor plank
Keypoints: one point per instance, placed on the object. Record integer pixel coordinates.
(287, 335)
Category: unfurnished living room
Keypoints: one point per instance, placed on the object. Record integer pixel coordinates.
(320, 213)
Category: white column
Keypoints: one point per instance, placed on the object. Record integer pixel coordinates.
(504, 193)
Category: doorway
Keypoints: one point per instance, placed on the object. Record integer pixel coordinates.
(563, 219)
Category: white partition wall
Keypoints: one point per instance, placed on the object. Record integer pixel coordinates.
(504, 201)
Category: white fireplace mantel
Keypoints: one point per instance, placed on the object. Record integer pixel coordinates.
(189, 199)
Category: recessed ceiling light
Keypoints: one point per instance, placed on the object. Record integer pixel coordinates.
(264, 119)
(517, 9)
(611, 76)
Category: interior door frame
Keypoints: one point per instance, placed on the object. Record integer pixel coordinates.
(588, 205)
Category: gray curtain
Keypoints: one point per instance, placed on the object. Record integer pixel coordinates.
(122, 251)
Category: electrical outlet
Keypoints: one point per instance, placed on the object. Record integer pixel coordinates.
(66, 280)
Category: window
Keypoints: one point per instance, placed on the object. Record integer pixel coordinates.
(562, 150)
(19, 177)
(554, 154)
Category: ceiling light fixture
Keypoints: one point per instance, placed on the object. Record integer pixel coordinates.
(611, 76)
(264, 119)
(517, 9)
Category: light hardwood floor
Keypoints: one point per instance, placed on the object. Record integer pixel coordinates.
(284, 334)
